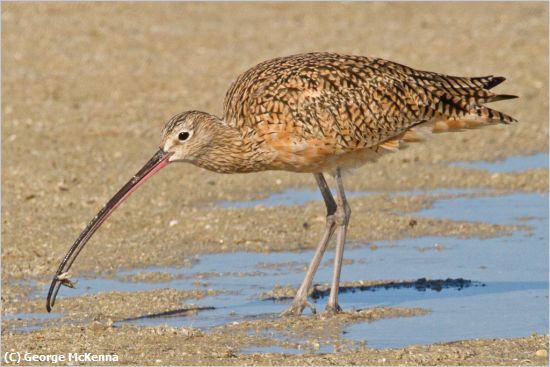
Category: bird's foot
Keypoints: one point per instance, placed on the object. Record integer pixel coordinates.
(297, 307)
(332, 309)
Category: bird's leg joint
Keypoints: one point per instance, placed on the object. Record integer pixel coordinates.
(331, 220)
(343, 214)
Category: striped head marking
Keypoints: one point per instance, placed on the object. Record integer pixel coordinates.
(187, 134)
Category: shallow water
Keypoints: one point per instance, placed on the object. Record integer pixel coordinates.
(500, 309)
(287, 197)
(509, 164)
(303, 196)
(510, 274)
(38, 319)
(509, 209)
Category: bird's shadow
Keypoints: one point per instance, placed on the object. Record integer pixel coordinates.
(421, 285)
(319, 291)
(188, 311)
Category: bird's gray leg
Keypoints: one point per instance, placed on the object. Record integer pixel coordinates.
(342, 215)
(300, 300)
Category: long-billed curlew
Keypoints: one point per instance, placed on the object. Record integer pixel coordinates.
(316, 113)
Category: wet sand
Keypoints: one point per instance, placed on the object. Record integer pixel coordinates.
(85, 97)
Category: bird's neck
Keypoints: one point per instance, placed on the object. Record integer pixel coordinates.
(228, 151)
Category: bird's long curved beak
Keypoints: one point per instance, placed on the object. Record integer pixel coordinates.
(155, 164)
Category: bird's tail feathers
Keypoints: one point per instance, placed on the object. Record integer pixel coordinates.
(480, 117)
(458, 104)
(487, 82)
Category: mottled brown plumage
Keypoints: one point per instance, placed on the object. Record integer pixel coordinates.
(316, 112)
(319, 111)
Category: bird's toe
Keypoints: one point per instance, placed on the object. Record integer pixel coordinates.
(297, 308)
(332, 310)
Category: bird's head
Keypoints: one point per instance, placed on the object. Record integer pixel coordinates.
(187, 135)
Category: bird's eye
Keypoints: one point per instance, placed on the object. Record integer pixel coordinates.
(183, 136)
